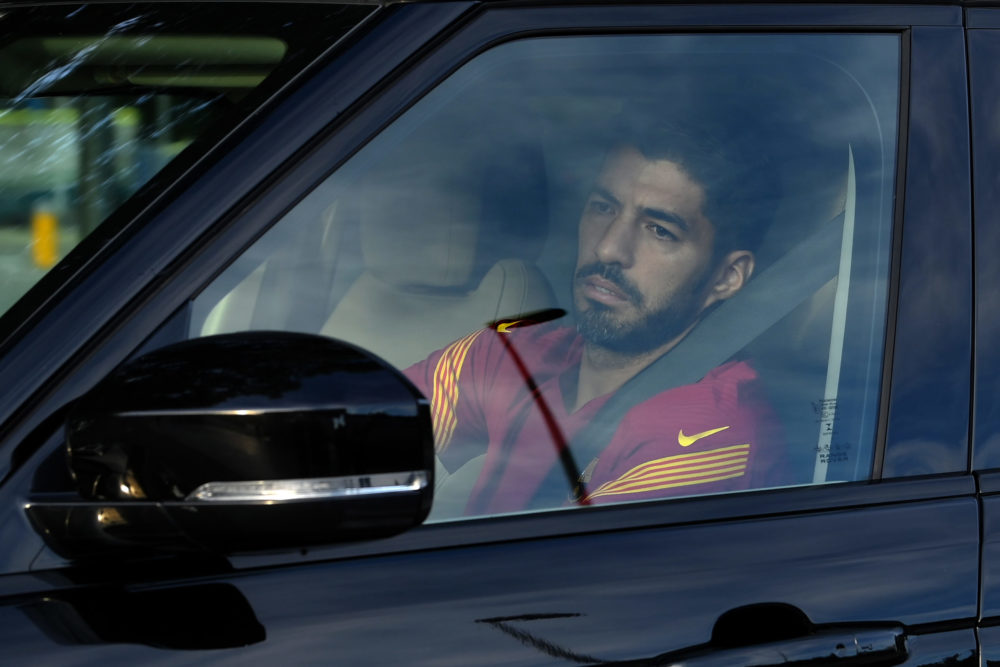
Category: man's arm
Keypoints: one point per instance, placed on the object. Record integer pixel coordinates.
(454, 379)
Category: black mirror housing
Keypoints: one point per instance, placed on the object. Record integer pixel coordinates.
(241, 442)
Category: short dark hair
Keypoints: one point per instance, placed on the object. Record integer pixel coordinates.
(740, 182)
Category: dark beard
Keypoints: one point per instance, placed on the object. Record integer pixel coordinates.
(598, 325)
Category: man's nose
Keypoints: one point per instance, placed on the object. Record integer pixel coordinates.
(616, 245)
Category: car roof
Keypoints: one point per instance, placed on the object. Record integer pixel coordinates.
(576, 3)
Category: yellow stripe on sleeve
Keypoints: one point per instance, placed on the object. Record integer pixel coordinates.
(668, 463)
(444, 398)
(668, 485)
(680, 470)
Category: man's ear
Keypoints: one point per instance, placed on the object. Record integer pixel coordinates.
(732, 274)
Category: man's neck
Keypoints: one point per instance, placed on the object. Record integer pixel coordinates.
(603, 371)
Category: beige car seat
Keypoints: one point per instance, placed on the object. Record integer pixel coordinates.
(403, 325)
(416, 255)
(443, 254)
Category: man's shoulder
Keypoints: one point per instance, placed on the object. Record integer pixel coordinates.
(510, 347)
(542, 333)
(547, 343)
(731, 372)
(731, 391)
(735, 382)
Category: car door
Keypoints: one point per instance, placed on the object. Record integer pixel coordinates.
(867, 551)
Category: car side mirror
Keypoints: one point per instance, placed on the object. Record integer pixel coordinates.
(243, 442)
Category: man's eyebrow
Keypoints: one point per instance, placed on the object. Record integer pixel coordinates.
(605, 194)
(667, 216)
(654, 213)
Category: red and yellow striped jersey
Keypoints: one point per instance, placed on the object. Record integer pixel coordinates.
(502, 393)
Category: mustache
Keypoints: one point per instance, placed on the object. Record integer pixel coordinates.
(613, 274)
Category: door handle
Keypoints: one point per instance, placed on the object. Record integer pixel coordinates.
(845, 645)
(757, 635)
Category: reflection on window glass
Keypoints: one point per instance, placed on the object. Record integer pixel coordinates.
(620, 268)
(95, 100)
(68, 162)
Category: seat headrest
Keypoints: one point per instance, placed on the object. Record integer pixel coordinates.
(443, 220)
(420, 228)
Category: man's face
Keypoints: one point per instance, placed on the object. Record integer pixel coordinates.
(643, 271)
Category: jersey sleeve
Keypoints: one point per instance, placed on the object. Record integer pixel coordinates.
(455, 379)
(472, 383)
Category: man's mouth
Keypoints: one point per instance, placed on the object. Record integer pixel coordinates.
(603, 291)
(606, 284)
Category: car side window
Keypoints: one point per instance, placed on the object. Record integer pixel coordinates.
(620, 268)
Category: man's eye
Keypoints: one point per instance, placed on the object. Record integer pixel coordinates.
(601, 207)
(661, 232)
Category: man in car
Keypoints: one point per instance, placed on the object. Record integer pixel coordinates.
(667, 232)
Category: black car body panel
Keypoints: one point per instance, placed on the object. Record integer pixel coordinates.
(612, 598)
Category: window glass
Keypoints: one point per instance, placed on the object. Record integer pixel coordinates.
(95, 100)
(621, 268)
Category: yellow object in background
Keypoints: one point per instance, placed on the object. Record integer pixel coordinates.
(44, 238)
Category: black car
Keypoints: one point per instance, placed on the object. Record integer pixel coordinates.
(303, 333)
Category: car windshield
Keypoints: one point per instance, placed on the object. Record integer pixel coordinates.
(96, 100)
